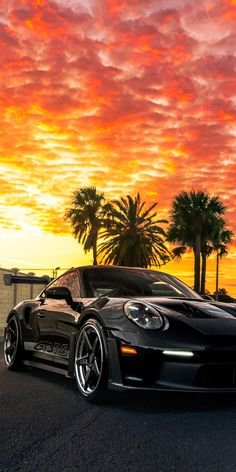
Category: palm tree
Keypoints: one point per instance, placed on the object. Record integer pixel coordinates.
(87, 216)
(190, 214)
(134, 237)
(216, 238)
(220, 238)
(223, 296)
(206, 251)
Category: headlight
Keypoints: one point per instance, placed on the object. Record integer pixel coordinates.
(143, 315)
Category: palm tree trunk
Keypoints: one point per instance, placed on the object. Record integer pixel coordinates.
(203, 276)
(217, 275)
(197, 263)
(95, 253)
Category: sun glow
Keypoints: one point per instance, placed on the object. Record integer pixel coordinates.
(129, 97)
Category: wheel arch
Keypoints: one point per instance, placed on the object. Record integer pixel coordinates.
(94, 315)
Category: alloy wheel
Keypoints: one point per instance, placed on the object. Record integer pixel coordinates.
(89, 358)
(11, 341)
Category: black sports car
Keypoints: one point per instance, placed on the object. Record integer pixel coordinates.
(125, 328)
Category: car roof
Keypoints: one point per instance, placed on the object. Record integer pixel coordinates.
(113, 267)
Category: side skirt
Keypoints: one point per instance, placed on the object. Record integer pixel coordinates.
(47, 367)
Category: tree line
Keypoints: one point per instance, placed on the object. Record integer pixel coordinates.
(127, 232)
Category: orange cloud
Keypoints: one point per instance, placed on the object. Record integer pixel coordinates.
(127, 96)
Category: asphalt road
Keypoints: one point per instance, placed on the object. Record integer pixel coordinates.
(46, 426)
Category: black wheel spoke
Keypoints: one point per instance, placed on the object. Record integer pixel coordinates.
(95, 345)
(10, 348)
(86, 380)
(95, 367)
(82, 360)
(87, 341)
(9, 328)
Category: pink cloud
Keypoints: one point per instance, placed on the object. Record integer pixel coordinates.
(123, 95)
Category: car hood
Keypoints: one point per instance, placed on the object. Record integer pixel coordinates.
(208, 318)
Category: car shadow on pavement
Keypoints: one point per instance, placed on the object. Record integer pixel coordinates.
(145, 401)
(172, 402)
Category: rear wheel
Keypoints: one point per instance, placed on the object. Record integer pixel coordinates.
(91, 361)
(12, 344)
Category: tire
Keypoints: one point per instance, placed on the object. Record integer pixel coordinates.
(91, 361)
(12, 344)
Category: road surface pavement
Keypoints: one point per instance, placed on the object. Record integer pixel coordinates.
(46, 426)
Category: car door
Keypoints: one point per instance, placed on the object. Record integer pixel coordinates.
(56, 320)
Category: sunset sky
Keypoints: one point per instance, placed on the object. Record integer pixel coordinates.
(126, 95)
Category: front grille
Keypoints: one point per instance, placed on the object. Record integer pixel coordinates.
(212, 368)
(226, 355)
(216, 376)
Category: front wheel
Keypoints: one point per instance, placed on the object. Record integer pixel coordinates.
(91, 361)
(12, 344)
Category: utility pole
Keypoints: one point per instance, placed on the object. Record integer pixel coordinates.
(54, 272)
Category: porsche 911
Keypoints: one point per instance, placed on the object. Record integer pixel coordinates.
(125, 328)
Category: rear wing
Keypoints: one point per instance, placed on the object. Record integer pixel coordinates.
(10, 279)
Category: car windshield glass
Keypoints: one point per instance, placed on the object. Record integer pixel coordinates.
(125, 282)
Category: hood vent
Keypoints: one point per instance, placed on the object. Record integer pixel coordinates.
(195, 310)
(189, 310)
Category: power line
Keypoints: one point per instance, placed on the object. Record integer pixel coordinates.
(50, 268)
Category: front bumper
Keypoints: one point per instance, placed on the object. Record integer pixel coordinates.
(210, 369)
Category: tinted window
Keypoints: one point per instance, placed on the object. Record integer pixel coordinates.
(115, 282)
(69, 280)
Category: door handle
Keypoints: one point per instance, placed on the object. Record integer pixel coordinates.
(41, 315)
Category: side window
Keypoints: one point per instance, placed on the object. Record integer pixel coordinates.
(71, 281)
(59, 282)
(53, 284)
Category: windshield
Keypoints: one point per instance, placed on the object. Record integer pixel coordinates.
(128, 282)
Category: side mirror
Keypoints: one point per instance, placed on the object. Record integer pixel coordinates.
(59, 293)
